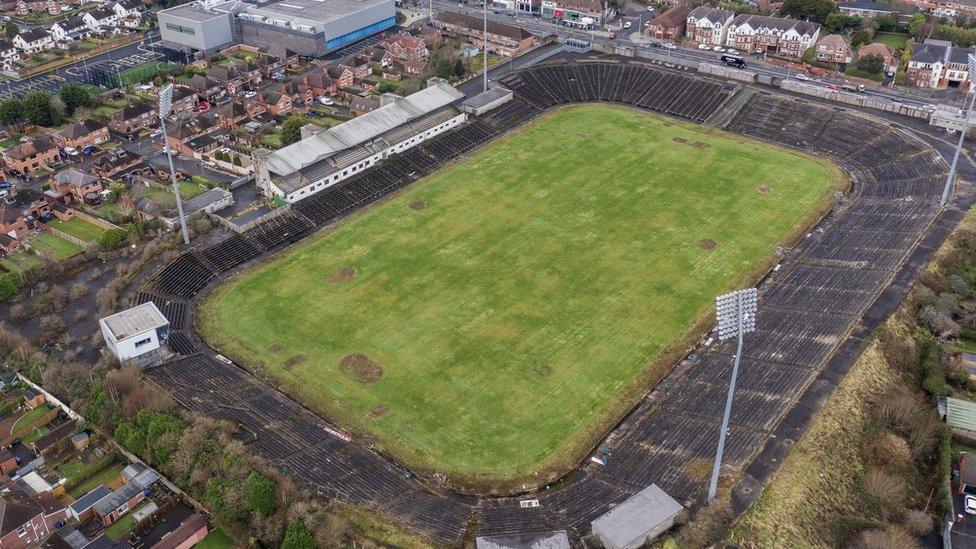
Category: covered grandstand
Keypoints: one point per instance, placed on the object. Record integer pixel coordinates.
(326, 158)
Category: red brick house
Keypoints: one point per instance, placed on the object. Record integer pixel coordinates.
(670, 25)
(834, 48)
(82, 134)
(132, 118)
(344, 76)
(21, 217)
(359, 66)
(28, 157)
(363, 105)
(432, 36)
(415, 67)
(27, 520)
(8, 462)
(184, 99)
(77, 185)
(118, 503)
(406, 47)
(891, 62)
(315, 82)
(190, 532)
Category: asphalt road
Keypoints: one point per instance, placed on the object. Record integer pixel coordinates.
(631, 38)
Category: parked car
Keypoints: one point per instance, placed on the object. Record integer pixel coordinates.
(733, 51)
(90, 149)
(703, 47)
(670, 46)
(250, 94)
(832, 87)
(802, 77)
(71, 151)
(627, 24)
(719, 49)
(970, 503)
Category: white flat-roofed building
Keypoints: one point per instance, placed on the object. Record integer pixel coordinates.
(135, 333)
(638, 520)
(197, 26)
(321, 160)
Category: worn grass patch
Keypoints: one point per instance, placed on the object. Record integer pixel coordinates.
(550, 280)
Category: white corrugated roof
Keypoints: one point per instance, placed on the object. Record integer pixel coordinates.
(634, 518)
(136, 320)
(361, 129)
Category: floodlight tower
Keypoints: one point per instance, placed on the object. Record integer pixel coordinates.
(966, 123)
(165, 105)
(735, 315)
(484, 45)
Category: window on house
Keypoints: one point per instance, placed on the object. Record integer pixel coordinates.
(142, 342)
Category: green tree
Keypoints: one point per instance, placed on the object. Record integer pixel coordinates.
(291, 129)
(131, 437)
(384, 87)
(444, 68)
(297, 537)
(40, 108)
(916, 23)
(12, 111)
(9, 286)
(112, 238)
(841, 23)
(236, 160)
(871, 64)
(10, 30)
(74, 96)
(886, 23)
(861, 37)
(259, 494)
(810, 10)
(459, 68)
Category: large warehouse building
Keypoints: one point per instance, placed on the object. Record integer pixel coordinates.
(306, 27)
(328, 157)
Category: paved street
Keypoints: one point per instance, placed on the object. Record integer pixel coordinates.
(632, 38)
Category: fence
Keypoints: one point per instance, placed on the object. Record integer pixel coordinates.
(855, 99)
(66, 236)
(39, 422)
(51, 399)
(96, 220)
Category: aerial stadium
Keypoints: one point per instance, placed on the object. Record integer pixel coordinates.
(504, 327)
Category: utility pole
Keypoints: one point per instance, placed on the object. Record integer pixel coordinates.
(968, 114)
(735, 315)
(165, 105)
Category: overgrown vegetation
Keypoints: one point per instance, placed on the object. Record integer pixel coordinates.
(871, 470)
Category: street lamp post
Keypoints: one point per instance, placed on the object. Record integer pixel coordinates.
(484, 45)
(735, 315)
(966, 123)
(165, 105)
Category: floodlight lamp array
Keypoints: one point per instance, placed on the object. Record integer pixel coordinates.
(733, 309)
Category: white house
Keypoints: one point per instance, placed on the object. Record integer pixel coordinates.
(102, 17)
(708, 25)
(128, 8)
(8, 54)
(33, 40)
(70, 29)
(787, 37)
(135, 333)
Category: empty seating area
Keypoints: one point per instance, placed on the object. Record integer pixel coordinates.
(883, 160)
(182, 278)
(671, 93)
(810, 307)
(229, 253)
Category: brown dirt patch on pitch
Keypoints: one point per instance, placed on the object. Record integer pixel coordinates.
(700, 145)
(377, 412)
(707, 244)
(342, 275)
(418, 205)
(361, 368)
(765, 189)
(276, 348)
(679, 140)
(294, 361)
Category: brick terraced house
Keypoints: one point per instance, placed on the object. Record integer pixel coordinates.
(709, 26)
(775, 35)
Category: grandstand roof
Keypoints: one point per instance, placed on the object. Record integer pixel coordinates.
(320, 146)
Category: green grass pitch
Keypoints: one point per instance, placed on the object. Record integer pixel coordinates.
(505, 311)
